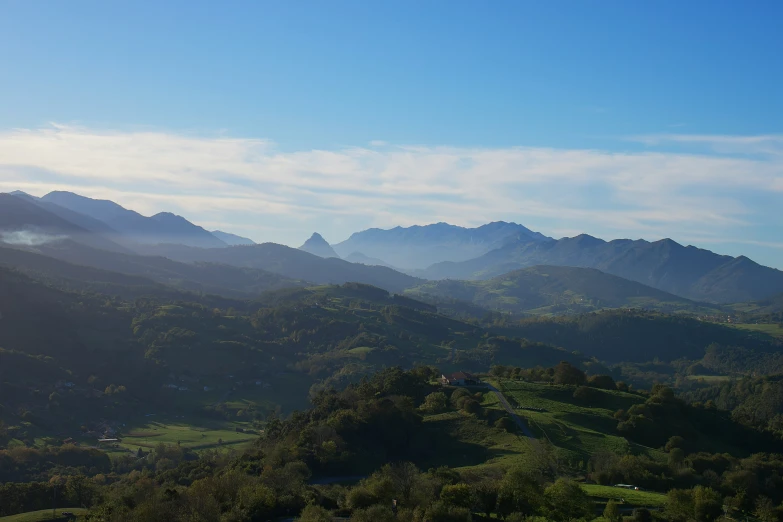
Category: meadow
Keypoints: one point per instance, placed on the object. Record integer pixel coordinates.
(625, 496)
(44, 515)
(773, 330)
(195, 434)
(576, 430)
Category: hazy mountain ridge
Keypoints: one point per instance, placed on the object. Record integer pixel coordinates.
(163, 227)
(359, 257)
(487, 251)
(555, 289)
(417, 246)
(23, 221)
(232, 239)
(292, 263)
(68, 260)
(688, 272)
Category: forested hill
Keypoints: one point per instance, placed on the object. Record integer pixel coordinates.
(325, 336)
(633, 335)
(556, 290)
(116, 273)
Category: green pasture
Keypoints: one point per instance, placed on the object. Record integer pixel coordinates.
(772, 330)
(578, 430)
(46, 514)
(189, 433)
(626, 496)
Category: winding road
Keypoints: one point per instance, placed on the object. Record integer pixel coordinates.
(517, 419)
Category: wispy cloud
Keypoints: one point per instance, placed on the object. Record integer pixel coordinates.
(284, 196)
(770, 144)
(29, 238)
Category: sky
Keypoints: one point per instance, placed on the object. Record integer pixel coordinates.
(278, 119)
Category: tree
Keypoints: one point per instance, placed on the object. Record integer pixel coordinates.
(459, 495)
(566, 500)
(359, 497)
(458, 396)
(676, 457)
(765, 509)
(505, 424)
(612, 512)
(566, 373)
(642, 515)
(313, 513)
(519, 493)
(441, 512)
(435, 402)
(679, 504)
(707, 504)
(471, 406)
(376, 513)
(605, 382)
(404, 476)
(675, 442)
(79, 490)
(486, 495)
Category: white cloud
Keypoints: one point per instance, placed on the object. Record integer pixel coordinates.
(765, 144)
(280, 196)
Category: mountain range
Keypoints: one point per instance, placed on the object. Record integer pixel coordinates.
(164, 227)
(168, 249)
(685, 271)
(543, 290)
(418, 247)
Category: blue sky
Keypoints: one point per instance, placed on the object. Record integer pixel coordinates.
(275, 119)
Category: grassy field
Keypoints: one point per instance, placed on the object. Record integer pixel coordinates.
(472, 443)
(577, 430)
(630, 496)
(772, 330)
(565, 431)
(710, 379)
(36, 516)
(196, 434)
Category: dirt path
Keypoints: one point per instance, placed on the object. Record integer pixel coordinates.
(506, 406)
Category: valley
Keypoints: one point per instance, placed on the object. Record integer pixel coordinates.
(120, 355)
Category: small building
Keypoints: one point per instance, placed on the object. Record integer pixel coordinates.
(459, 379)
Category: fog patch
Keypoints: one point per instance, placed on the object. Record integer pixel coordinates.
(29, 237)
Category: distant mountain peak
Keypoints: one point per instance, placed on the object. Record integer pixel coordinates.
(168, 216)
(419, 246)
(318, 246)
(20, 194)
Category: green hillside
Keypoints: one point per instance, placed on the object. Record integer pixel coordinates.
(544, 290)
(638, 336)
(67, 358)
